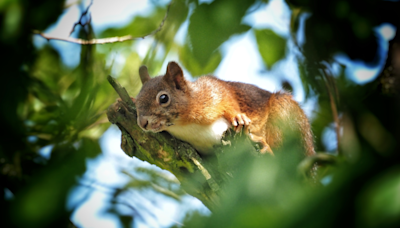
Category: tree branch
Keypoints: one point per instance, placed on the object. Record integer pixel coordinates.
(104, 40)
(198, 176)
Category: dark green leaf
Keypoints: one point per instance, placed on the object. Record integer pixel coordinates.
(212, 24)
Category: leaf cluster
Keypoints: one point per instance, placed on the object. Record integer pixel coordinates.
(51, 116)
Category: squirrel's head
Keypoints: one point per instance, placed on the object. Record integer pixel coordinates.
(161, 99)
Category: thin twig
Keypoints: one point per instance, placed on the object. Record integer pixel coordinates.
(111, 192)
(99, 186)
(87, 42)
(333, 107)
(80, 19)
(105, 40)
(121, 91)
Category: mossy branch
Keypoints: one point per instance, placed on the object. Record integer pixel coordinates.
(197, 176)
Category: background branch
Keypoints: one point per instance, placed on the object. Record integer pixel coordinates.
(330, 85)
(103, 40)
(80, 19)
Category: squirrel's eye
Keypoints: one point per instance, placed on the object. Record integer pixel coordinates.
(163, 99)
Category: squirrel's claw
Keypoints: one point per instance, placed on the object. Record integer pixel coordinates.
(241, 121)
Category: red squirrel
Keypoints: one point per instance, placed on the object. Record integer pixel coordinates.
(200, 112)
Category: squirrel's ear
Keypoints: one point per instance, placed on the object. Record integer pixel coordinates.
(174, 75)
(144, 74)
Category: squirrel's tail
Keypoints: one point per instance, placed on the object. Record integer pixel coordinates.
(287, 120)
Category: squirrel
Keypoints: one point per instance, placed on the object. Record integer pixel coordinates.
(200, 112)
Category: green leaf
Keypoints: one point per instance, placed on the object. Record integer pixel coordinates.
(270, 45)
(139, 26)
(213, 24)
(191, 63)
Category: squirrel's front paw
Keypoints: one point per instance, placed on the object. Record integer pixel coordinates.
(241, 121)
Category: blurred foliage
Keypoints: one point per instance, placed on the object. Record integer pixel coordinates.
(142, 180)
(379, 202)
(139, 26)
(46, 104)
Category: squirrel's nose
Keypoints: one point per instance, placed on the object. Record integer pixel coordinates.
(143, 122)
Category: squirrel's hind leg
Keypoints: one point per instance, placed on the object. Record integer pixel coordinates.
(240, 121)
(265, 147)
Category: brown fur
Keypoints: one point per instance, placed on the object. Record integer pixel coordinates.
(208, 99)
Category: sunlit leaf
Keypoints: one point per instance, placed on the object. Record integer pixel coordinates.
(271, 46)
(191, 63)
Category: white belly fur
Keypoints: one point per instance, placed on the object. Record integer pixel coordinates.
(201, 137)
